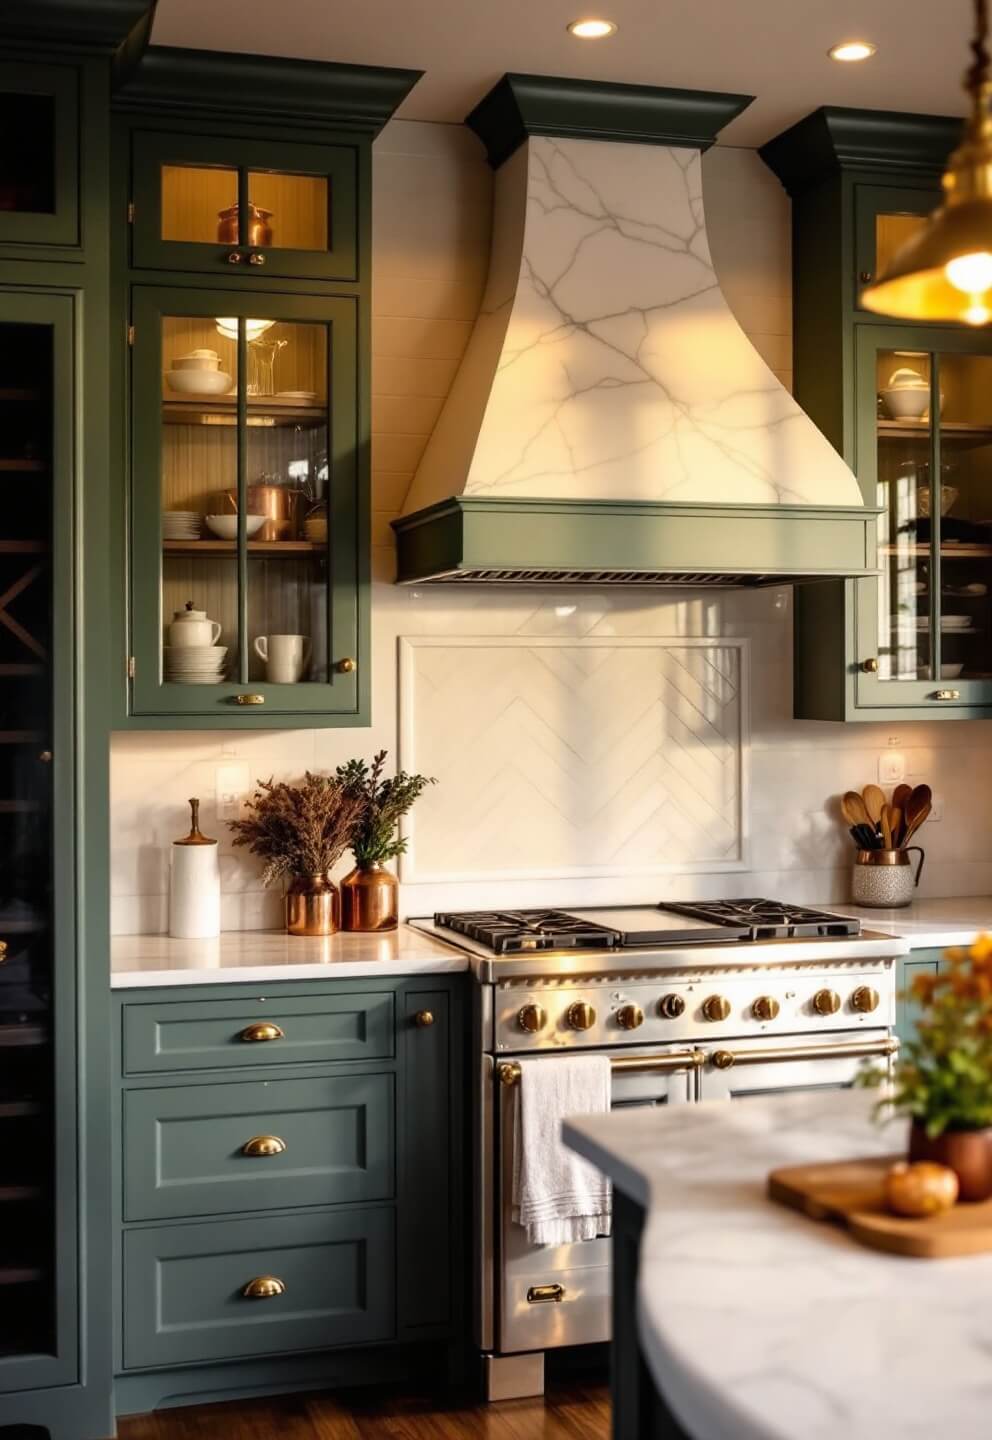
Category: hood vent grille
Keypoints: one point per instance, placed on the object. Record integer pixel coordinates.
(613, 577)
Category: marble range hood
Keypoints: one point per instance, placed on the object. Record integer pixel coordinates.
(610, 421)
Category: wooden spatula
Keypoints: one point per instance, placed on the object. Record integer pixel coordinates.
(874, 798)
(853, 808)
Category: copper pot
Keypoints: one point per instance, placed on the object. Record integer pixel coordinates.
(370, 899)
(967, 1152)
(259, 229)
(278, 503)
(312, 906)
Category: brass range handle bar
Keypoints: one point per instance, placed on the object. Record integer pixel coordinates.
(726, 1059)
(508, 1071)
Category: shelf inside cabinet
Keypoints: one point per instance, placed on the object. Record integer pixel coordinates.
(268, 411)
(920, 430)
(274, 549)
(964, 551)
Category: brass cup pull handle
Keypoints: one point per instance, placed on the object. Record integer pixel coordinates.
(260, 1146)
(234, 257)
(545, 1294)
(256, 258)
(424, 1019)
(264, 1287)
(262, 1030)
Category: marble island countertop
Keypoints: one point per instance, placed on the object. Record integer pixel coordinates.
(760, 1324)
(928, 924)
(266, 955)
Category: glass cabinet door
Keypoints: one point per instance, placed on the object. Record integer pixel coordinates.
(252, 207)
(925, 447)
(886, 217)
(245, 508)
(39, 179)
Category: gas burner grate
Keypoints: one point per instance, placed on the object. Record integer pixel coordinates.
(769, 919)
(509, 932)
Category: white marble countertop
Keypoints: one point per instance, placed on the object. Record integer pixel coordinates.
(928, 923)
(760, 1324)
(254, 955)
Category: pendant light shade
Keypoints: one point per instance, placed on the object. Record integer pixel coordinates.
(945, 271)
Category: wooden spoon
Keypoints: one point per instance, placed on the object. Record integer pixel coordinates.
(886, 819)
(915, 824)
(900, 796)
(853, 808)
(874, 798)
(895, 821)
(918, 807)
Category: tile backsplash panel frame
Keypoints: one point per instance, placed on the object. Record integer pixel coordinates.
(536, 759)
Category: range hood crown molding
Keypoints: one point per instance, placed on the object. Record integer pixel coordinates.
(521, 105)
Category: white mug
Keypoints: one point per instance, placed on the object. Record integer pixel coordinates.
(286, 657)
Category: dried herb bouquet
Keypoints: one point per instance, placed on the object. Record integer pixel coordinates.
(299, 830)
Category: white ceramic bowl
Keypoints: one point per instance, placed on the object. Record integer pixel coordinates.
(197, 360)
(225, 527)
(198, 382)
(950, 672)
(907, 402)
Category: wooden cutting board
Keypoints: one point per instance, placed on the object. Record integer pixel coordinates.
(851, 1191)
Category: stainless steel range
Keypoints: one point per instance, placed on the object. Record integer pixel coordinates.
(691, 1002)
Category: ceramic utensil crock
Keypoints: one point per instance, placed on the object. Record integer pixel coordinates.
(884, 878)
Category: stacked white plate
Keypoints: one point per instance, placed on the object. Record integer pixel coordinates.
(180, 525)
(195, 664)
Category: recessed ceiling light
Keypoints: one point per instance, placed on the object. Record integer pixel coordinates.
(852, 50)
(592, 29)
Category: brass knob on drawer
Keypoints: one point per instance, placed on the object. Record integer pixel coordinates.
(234, 257)
(864, 1000)
(260, 1146)
(716, 1007)
(826, 1002)
(256, 258)
(870, 666)
(532, 1018)
(580, 1016)
(264, 1287)
(262, 1030)
(630, 1016)
(766, 1007)
(671, 1006)
(345, 666)
(424, 1018)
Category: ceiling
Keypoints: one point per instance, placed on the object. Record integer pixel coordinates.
(772, 49)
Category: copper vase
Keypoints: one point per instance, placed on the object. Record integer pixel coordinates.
(312, 906)
(259, 229)
(967, 1152)
(370, 898)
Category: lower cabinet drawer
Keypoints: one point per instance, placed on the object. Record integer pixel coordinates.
(321, 1281)
(257, 1145)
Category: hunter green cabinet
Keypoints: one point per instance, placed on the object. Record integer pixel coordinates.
(248, 205)
(39, 170)
(291, 1174)
(909, 406)
(917, 962)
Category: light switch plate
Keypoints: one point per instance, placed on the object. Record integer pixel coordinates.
(232, 784)
(891, 767)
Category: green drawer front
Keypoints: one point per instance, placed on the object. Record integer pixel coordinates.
(210, 1034)
(183, 1286)
(184, 1146)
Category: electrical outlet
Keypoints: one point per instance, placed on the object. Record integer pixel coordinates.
(232, 785)
(891, 767)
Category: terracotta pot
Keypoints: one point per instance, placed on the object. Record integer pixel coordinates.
(312, 906)
(370, 899)
(967, 1152)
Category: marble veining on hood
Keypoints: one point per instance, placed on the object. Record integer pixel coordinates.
(606, 363)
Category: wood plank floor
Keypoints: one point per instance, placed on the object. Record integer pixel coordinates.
(571, 1410)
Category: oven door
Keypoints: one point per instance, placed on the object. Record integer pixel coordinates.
(551, 1295)
(741, 1069)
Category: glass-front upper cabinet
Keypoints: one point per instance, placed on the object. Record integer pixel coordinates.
(925, 447)
(245, 513)
(246, 206)
(39, 164)
(886, 217)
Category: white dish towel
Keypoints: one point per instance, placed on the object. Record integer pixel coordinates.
(557, 1196)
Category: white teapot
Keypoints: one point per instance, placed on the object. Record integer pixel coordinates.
(192, 627)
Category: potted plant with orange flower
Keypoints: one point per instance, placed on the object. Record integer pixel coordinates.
(943, 1078)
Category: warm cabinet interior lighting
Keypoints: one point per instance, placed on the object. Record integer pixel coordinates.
(592, 29)
(850, 50)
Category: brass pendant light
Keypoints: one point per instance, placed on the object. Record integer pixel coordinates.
(945, 271)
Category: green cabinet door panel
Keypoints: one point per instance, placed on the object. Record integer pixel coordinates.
(917, 962)
(335, 165)
(217, 1034)
(183, 1291)
(46, 98)
(185, 1146)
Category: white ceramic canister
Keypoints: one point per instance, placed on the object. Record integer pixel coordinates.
(884, 879)
(191, 627)
(194, 884)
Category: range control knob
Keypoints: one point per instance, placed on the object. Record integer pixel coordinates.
(864, 1000)
(766, 1007)
(716, 1007)
(630, 1016)
(826, 1002)
(580, 1016)
(532, 1018)
(671, 1006)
